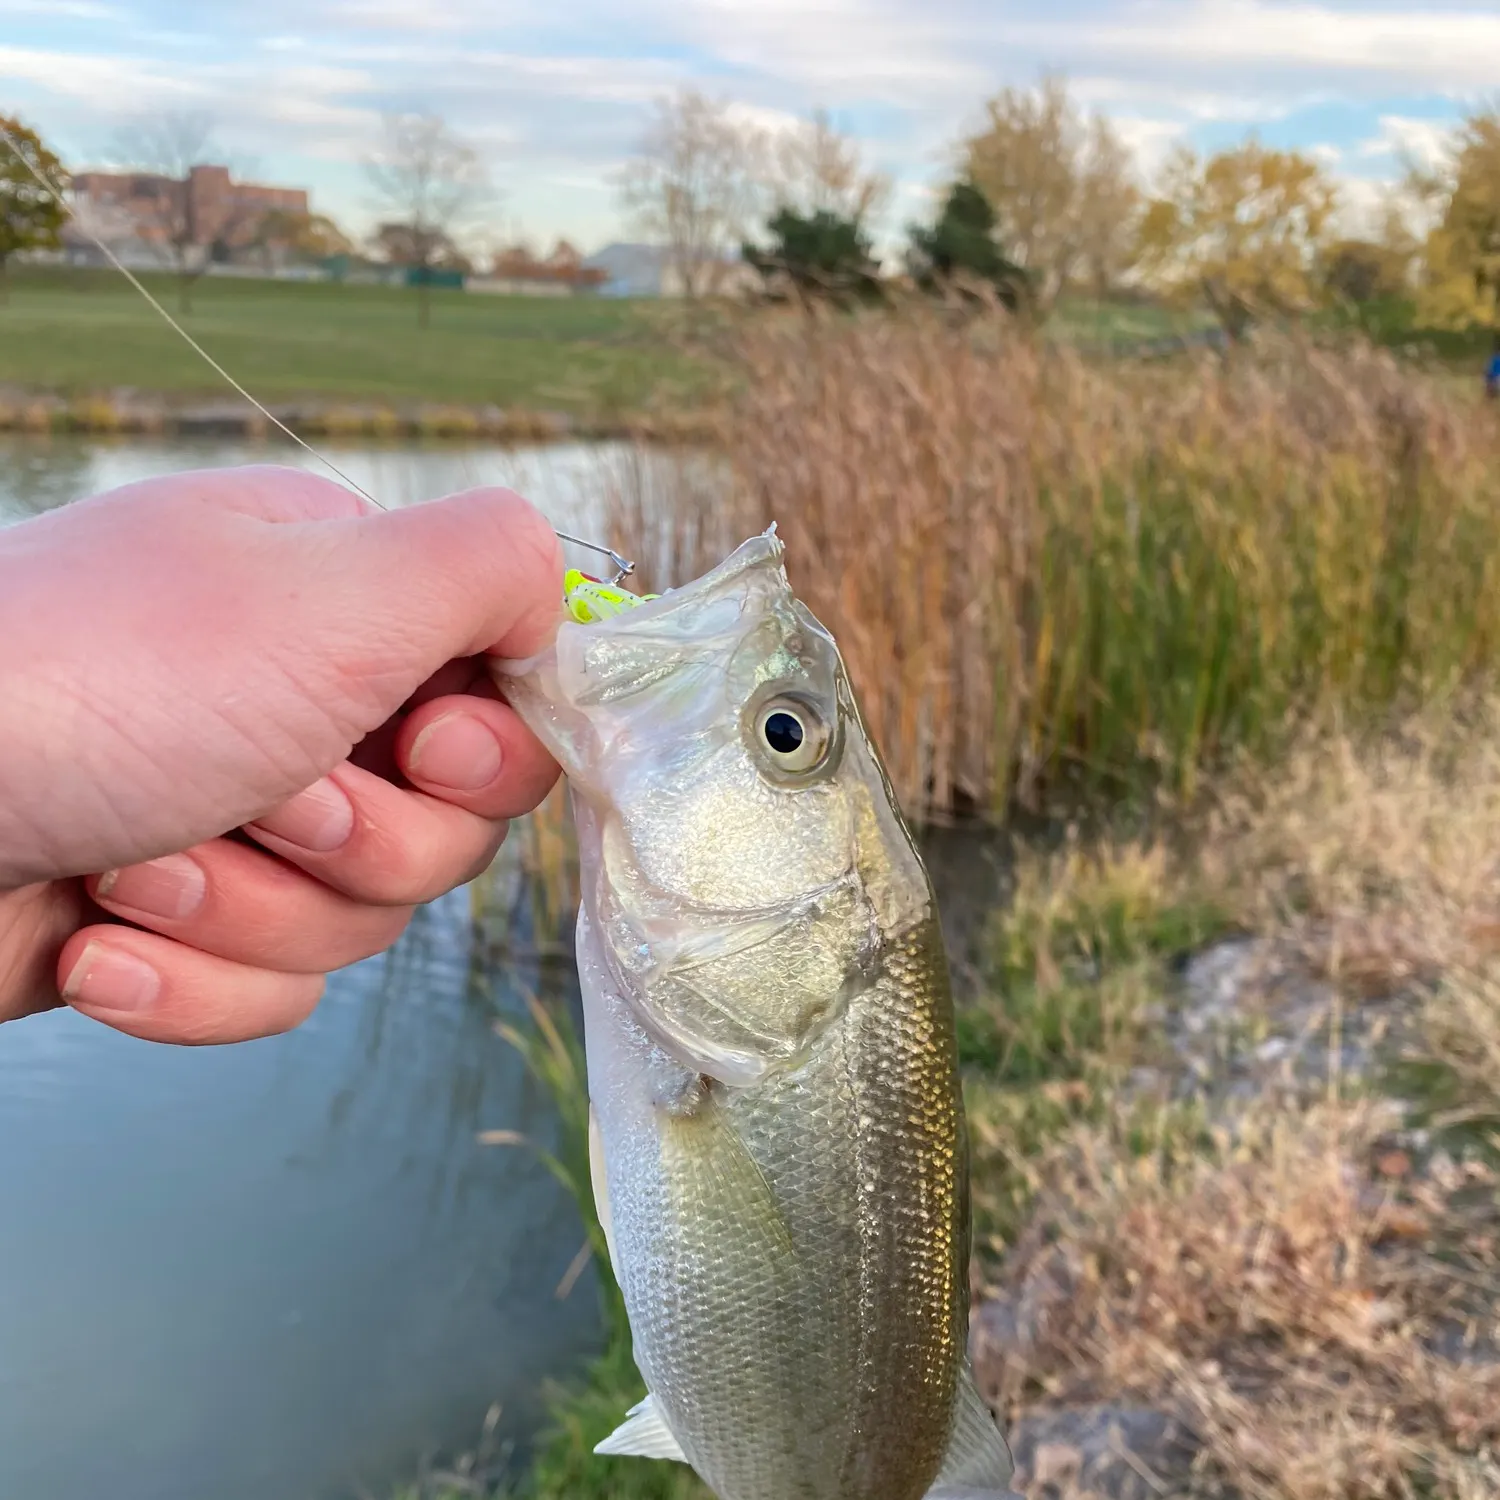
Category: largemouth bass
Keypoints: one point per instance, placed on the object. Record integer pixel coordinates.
(779, 1151)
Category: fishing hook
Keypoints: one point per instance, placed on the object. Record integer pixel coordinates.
(624, 567)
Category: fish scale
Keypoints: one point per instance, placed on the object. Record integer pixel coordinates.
(780, 1156)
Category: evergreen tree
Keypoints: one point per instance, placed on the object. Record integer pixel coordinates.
(820, 256)
(960, 250)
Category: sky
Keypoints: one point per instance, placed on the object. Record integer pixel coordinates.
(555, 95)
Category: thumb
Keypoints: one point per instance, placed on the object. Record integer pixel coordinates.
(479, 571)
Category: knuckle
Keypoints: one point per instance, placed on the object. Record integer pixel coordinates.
(446, 869)
(199, 1021)
(523, 532)
(325, 496)
(536, 539)
(302, 998)
(486, 856)
(407, 873)
(381, 928)
(254, 1003)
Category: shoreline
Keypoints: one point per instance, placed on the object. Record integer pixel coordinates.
(132, 414)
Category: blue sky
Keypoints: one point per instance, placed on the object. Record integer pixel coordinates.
(555, 94)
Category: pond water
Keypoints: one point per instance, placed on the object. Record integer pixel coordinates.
(565, 480)
(287, 1270)
(282, 1271)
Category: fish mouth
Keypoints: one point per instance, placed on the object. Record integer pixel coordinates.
(765, 550)
(674, 632)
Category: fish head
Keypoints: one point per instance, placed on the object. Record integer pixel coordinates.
(744, 861)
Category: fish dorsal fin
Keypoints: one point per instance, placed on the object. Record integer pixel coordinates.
(600, 1182)
(643, 1434)
(978, 1464)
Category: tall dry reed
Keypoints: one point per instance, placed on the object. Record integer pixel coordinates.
(1043, 571)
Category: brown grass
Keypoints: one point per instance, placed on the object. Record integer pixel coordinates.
(1279, 1296)
(1294, 1280)
(1379, 862)
(1381, 851)
(1042, 571)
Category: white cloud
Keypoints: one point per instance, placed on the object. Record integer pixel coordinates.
(1447, 50)
(1150, 141)
(102, 82)
(758, 117)
(60, 10)
(1423, 142)
(842, 50)
(425, 15)
(1361, 200)
(1107, 93)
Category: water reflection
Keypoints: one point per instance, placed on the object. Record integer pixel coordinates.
(286, 1271)
(570, 482)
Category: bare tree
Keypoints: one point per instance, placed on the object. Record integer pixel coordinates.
(1065, 203)
(1108, 210)
(190, 210)
(697, 185)
(818, 169)
(433, 181)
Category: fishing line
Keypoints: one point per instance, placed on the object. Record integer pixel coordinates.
(53, 192)
(624, 567)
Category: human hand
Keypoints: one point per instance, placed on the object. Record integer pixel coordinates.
(250, 715)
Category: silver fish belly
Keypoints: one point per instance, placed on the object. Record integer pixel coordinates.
(779, 1150)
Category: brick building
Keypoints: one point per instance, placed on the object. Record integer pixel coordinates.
(207, 211)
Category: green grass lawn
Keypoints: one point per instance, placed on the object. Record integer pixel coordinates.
(1091, 322)
(78, 332)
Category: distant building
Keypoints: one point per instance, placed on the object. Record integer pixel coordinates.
(208, 212)
(630, 270)
(648, 271)
(518, 272)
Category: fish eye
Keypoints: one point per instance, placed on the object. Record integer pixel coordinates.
(784, 733)
(793, 733)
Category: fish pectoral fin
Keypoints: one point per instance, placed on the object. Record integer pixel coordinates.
(977, 1465)
(706, 1152)
(643, 1434)
(600, 1182)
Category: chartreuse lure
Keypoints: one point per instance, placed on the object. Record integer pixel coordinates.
(590, 600)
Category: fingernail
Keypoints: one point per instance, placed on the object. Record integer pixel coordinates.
(319, 819)
(107, 978)
(457, 751)
(172, 887)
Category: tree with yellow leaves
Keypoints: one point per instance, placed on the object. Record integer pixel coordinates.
(1244, 231)
(1461, 281)
(1062, 188)
(30, 217)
